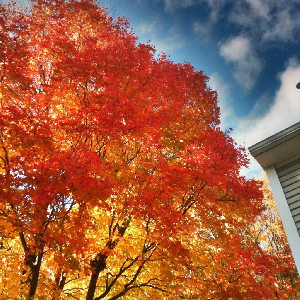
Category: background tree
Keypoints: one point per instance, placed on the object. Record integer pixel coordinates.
(116, 179)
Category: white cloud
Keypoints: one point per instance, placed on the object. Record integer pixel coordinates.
(167, 45)
(203, 30)
(261, 107)
(283, 113)
(282, 29)
(216, 7)
(239, 51)
(260, 8)
(149, 27)
(228, 119)
(268, 20)
(170, 41)
(265, 20)
(236, 49)
(217, 83)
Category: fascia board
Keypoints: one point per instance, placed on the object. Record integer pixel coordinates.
(277, 148)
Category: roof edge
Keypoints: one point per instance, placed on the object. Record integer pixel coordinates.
(273, 138)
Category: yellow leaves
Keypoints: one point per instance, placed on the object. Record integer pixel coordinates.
(7, 227)
(116, 158)
(10, 262)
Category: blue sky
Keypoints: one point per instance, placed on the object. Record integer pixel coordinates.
(250, 49)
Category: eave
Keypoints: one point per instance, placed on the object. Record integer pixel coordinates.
(278, 148)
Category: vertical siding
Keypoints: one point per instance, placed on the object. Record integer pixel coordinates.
(289, 177)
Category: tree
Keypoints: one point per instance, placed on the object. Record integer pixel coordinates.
(117, 181)
(268, 232)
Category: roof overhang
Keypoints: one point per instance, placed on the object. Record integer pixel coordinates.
(280, 147)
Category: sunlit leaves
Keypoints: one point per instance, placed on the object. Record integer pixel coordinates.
(117, 181)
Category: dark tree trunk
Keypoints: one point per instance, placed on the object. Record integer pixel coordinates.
(92, 286)
(60, 282)
(34, 262)
(98, 265)
(35, 270)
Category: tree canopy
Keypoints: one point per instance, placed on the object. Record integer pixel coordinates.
(116, 180)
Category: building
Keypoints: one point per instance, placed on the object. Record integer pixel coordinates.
(279, 156)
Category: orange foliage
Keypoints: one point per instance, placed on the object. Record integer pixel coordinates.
(116, 179)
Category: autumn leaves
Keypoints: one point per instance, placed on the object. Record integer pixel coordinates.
(116, 181)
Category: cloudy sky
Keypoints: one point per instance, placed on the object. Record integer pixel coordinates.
(250, 49)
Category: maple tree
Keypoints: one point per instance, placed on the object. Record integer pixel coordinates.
(117, 181)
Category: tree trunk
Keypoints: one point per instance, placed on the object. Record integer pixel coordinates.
(34, 262)
(92, 286)
(33, 283)
(98, 265)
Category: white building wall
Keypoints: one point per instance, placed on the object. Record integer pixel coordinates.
(289, 177)
(285, 212)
